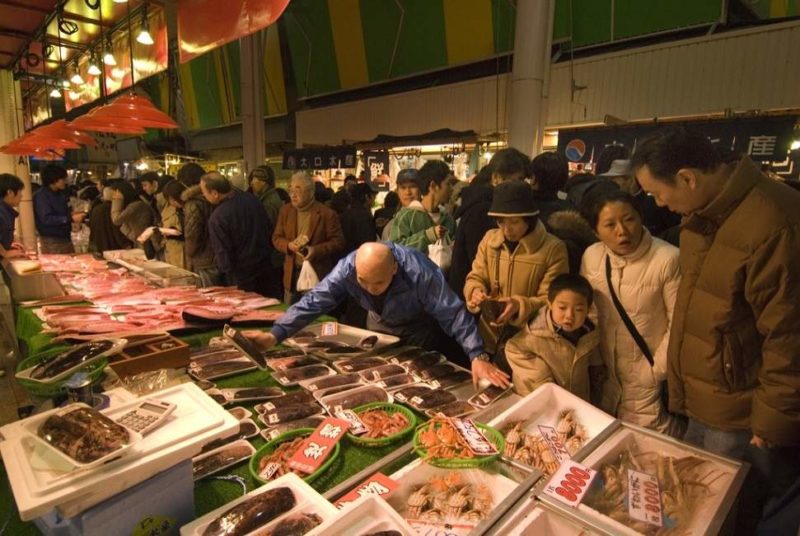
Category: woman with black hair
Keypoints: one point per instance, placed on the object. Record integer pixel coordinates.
(131, 214)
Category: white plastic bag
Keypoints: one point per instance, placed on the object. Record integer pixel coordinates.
(308, 278)
(441, 253)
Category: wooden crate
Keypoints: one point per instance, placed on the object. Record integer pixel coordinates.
(146, 353)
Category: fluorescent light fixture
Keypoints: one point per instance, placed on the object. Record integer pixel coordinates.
(144, 37)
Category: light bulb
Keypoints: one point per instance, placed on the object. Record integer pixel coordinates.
(108, 59)
(144, 38)
(65, 83)
(120, 1)
(795, 145)
(55, 93)
(77, 79)
(94, 70)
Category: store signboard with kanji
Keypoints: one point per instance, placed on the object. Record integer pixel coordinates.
(343, 157)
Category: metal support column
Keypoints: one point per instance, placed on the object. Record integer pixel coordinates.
(252, 87)
(533, 36)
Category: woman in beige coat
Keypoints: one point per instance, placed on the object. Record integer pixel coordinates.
(645, 274)
(514, 264)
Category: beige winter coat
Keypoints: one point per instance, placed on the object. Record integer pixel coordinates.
(173, 247)
(523, 274)
(646, 283)
(538, 355)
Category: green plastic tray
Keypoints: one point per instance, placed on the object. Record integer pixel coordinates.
(461, 463)
(272, 445)
(384, 441)
(53, 390)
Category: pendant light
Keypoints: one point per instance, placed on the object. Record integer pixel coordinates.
(144, 36)
(108, 57)
(93, 69)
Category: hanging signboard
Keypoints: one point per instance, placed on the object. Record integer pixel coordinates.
(320, 158)
(763, 138)
(377, 163)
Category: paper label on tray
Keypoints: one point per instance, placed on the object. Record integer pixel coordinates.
(319, 445)
(551, 438)
(273, 418)
(432, 528)
(644, 498)
(474, 437)
(416, 400)
(329, 329)
(283, 379)
(377, 484)
(357, 427)
(270, 470)
(570, 483)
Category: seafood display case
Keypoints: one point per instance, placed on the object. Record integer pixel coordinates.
(533, 518)
(29, 282)
(648, 483)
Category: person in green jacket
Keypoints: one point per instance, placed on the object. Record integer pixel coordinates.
(422, 223)
(262, 184)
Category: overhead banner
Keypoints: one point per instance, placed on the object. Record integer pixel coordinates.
(204, 25)
(763, 138)
(320, 158)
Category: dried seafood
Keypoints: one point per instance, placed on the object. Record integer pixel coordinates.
(295, 525)
(83, 434)
(255, 393)
(449, 498)
(437, 371)
(286, 352)
(407, 393)
(381, 423)
(276, 464)
(246, 429)
(252, 513)
(294, 412)
(217, 370)
(220, 460)
(358, 364)
(382, 372)
(453, 409)
(421, 361)
(368, 342)
(685, 484)
(289, 399)
(302, 373)
(74, 357)
(355, 397)
(332, 381)
(531, 448)
(431, 399)
(308, 422)
(343, 349)
(397, 381)
(451, 380)
(295, 361)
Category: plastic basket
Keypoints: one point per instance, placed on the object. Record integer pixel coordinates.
(272, 445)
(38, 389)
(460, 463)
(384, 441)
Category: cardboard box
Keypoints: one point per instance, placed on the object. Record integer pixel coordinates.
(146, 353)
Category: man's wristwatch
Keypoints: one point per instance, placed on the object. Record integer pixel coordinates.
(483, 357)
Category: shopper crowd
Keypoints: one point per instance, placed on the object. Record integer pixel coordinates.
(575, 280)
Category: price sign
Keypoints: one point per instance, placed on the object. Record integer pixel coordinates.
(477, 442)
(644, 498)
(551, 438)
(357, 427)
(319, 445)
(570, 483)
(329, 329)
(377, 484)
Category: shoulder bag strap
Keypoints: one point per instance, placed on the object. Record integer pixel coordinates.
(640, 342)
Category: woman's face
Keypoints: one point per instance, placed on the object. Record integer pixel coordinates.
(514, 228)
(619, 226)
(407, 192)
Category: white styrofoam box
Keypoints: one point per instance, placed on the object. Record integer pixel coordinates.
(307, 501)
(642, 441)
(367, 515)
(534, 518)
(159, 505)
(543, 406)
(244, 444)
(38, 488)
(419, 473)
(349, 335)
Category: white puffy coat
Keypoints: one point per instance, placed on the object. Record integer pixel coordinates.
(646, 283)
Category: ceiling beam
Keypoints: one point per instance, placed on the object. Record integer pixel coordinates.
(86, 20)
(16, 34)
(23, 5)
(53, 40)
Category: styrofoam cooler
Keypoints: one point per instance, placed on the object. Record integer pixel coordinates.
(159, 505)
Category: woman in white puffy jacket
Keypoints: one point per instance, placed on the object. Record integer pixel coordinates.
(645, 273)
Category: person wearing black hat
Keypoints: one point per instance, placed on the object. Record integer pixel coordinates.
(513, 267)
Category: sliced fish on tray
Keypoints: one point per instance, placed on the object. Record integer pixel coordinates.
(331, 381)
(357, 364)
(422, 361)
(453, 379)
(285, 363)
(295, 524)
(247, 429)
(381, 372)
(340, 350)
(431, 399)
(355, 397)
(289, 413)
(70, 359)
(289, 399)
(220, 370)
(400, 380)
(405, 393)
(252, 393)
(437, 371)
(309, 422)
(253, 513)
(322, 393)
(222, 458)
(293, 376)
(286, 352)
(458, 408)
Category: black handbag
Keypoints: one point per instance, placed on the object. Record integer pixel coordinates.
(637, 337)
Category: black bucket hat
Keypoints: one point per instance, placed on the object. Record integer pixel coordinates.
(407, 175)
(513, 199)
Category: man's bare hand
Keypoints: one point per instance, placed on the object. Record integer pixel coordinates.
(264, 340)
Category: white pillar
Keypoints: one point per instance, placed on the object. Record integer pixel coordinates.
(11, 127)
(532, 41)
(252, 92)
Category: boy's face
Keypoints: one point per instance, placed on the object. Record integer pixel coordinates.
(569, 310)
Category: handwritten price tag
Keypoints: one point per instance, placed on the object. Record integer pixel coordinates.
(477, 442)
(570, 483)
(357, 427)
(329, 329)
(551, 438)
(377, 484)
(644, 498)
(319, 445)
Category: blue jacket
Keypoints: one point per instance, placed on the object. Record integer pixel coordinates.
(51, 212)
(417, 288)
(7, 217)
(237, 232)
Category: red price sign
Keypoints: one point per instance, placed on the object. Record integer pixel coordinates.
(570, 483)
(377, 484)
(319, 445)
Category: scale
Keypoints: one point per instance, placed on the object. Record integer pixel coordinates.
(40, 483)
